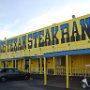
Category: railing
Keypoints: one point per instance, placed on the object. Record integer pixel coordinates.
(73, 71)
(77, 72)
(61, 71)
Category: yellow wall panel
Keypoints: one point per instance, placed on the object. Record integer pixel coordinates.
(20, 65)
(34, 66)
(79, 62)
(50, 63)
(69, 35)
(2, 65)
(9, 64)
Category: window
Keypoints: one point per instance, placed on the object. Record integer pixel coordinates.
(10, 71)
(60, 61)
(14, 63)
(3, 70)
(27, 65)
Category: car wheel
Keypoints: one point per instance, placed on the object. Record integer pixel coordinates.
(84, 85)
(26, 77)
(3, 79)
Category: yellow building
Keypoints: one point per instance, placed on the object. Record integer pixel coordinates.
(60, 49)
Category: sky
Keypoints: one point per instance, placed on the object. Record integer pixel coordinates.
(22, 16)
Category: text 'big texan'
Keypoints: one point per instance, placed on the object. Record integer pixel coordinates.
(74, 30)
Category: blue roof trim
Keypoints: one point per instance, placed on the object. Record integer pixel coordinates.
(24, 57)
(63, 53)
(73, 52)
(9, 59)
(33, 57)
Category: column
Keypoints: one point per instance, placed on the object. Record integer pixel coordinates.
(0, 65)
(15, 64)
(70, 68)
(12, 64)
(23, 64)
(29, 65)
(6, 64)
(40, 65)
(45, 72)
(67, 72)
(54, 65)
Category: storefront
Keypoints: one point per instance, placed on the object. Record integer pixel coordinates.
(59, 49)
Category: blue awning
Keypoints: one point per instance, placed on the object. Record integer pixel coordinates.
(72, 52)
(54, 54)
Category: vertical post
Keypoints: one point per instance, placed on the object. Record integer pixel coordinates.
(3, 64)
(40, 65)
(0, 65)
(70, 68)
(67, 72)
(45, 72)
(54, 65)
(20, 64)
(23, 64)
(6, 64)
(15, 64)
(29, 65)
(12, 63)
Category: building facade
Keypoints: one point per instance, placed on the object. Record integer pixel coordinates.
(60, 49)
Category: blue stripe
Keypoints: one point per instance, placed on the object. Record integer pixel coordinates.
(73, 52)
(15, 40)
(24, 38)
(2, 42)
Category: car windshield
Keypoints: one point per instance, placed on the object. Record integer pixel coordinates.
(10, 70)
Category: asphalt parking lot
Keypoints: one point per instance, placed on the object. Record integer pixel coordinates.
(37, 84)
(29, 85)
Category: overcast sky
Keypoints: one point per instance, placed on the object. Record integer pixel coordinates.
(22, 16)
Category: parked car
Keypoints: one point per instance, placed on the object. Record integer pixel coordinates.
(13, 74)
